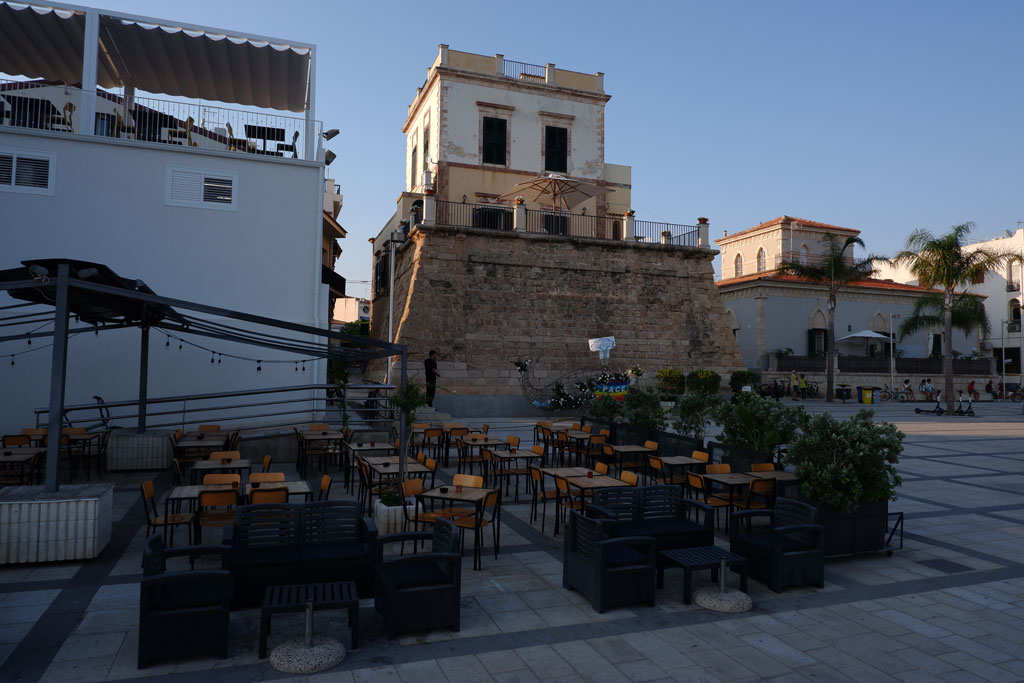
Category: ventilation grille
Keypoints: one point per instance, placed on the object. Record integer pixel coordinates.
(198, 188)
(26, 171)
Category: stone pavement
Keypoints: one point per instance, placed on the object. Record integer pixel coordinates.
(945, 608)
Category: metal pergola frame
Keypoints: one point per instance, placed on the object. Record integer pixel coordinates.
(58, 291)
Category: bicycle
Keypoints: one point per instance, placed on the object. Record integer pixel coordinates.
(887, 393)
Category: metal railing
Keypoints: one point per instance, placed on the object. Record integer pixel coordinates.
(368, 403)
(574, 224)
(518, 70)
(490, 216)
(880, 365)
(58, 108)
(651, 231)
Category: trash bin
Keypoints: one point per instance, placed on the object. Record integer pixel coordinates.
(867, 394)
(860, 394)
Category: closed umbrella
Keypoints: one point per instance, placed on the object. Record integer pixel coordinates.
(561, 191)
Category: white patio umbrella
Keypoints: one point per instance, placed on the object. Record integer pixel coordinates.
(561, 191)
(863, 334)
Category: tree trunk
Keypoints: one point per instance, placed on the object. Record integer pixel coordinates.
(830, 366)
(947, 352)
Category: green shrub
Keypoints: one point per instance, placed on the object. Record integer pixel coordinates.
(704, 381)
(741, 378)
(604, 408)
(643, 408)
(845, 463)
(751, 421)
(671, 383)
(694, 412)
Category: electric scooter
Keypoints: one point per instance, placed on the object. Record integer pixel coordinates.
(960, 410)
(937, 410)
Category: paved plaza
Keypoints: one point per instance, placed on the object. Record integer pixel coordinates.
(947, 607)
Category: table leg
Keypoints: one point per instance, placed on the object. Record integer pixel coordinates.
(687, 585)
(660, 577)
(264, 631)
(353, 624)
(743, 576)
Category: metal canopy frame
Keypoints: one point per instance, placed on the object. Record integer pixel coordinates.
(41, 289)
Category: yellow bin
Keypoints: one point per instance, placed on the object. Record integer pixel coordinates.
(867, 395)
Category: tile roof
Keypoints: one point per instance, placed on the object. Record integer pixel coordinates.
(870, 283)
(781, 220)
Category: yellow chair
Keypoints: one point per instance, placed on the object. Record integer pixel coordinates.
(262, 496)
(156, 521)
(226, 455)
(216, 509)
(219, 478)
(266, 477)
(209, 428)
(629, 477)
(325, 487)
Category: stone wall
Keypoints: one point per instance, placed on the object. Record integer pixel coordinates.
(484, 298)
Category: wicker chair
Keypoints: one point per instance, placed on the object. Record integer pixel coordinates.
(791, 552)
(422, 591)
(610, 572)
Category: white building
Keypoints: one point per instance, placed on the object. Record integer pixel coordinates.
(203, 176)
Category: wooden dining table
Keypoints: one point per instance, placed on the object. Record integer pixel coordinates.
(633, 450)
(207, 466)
(387, 465)
(190, 492)
(19, 456)
(466, 494)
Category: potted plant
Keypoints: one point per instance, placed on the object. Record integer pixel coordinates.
(695, 410)
(387, 512)
(757, 426)
(643, 414)
(847, 468)
(518, 200)
(603, 412)
(671, 383)
(743, 378)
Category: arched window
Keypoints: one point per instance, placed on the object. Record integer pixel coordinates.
(1014, 312)
(738, 265)
(804, 255)
(760, 260)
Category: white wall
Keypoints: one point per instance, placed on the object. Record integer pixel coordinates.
(462, 144)
(108, 207)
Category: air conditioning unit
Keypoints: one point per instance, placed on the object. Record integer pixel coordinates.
(1012, 286)
(1013, 327)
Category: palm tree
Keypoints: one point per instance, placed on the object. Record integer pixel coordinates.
(943, 263)
(968, 315)
(834, 269)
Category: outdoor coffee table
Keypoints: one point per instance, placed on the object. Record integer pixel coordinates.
(705, 557)
(322, 596)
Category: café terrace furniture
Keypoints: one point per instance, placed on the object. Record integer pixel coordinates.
(422, 591)
(292, 543)
(790, 552)
(610, 572)
(320, 596)
(658, 511)
(694, 559)
(181, 613)
(480, 499)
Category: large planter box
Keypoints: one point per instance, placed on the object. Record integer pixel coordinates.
(388, 520)
(72, 524)
(129, 450)
(860, 531)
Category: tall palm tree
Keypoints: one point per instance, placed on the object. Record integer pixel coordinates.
(834, 269)
(968, 314)
(942, 262)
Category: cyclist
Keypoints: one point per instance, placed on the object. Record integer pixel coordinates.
(909, 389)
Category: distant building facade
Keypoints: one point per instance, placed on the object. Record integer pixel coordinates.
(771, 311)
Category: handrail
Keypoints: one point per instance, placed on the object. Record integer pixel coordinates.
(366, 402)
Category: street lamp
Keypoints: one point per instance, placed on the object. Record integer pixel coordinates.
(892, 355)
(397, 239)
(1002, 356)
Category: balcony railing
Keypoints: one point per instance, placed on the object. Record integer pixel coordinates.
(490, 216)
(574, 224)
(523, 71)
(58, 108)
(652, 231)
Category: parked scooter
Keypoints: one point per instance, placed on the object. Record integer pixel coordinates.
(969, 410)
(937, 410)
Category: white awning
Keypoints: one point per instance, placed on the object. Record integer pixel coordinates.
(156, 56)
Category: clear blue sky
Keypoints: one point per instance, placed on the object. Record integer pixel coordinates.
(881, 116)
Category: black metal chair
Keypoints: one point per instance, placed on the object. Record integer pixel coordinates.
(791, 552)
(181, 613)
(421, 591)
(610, 571)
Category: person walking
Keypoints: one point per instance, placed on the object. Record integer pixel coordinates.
(794, 384)
(803, 386)
(430, 369)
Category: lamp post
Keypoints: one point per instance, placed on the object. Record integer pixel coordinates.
(397, 239)
(1002, 356)
(892, 355)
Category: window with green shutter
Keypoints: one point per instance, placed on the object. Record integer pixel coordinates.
(556, 149)
(494, 134)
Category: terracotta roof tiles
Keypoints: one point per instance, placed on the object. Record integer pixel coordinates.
(782, 220)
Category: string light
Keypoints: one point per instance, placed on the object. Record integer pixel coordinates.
(167, 344)
(12, 361)
(259, 366)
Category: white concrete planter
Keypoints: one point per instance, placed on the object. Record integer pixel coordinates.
(389, 520)
(72, 524)
(128, 450)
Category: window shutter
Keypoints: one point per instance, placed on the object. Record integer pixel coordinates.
(201, 189)
(556, 149)
(6, 169)
(495, 131)
(31, 172)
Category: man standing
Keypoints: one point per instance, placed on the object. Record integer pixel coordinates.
(430, 367)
